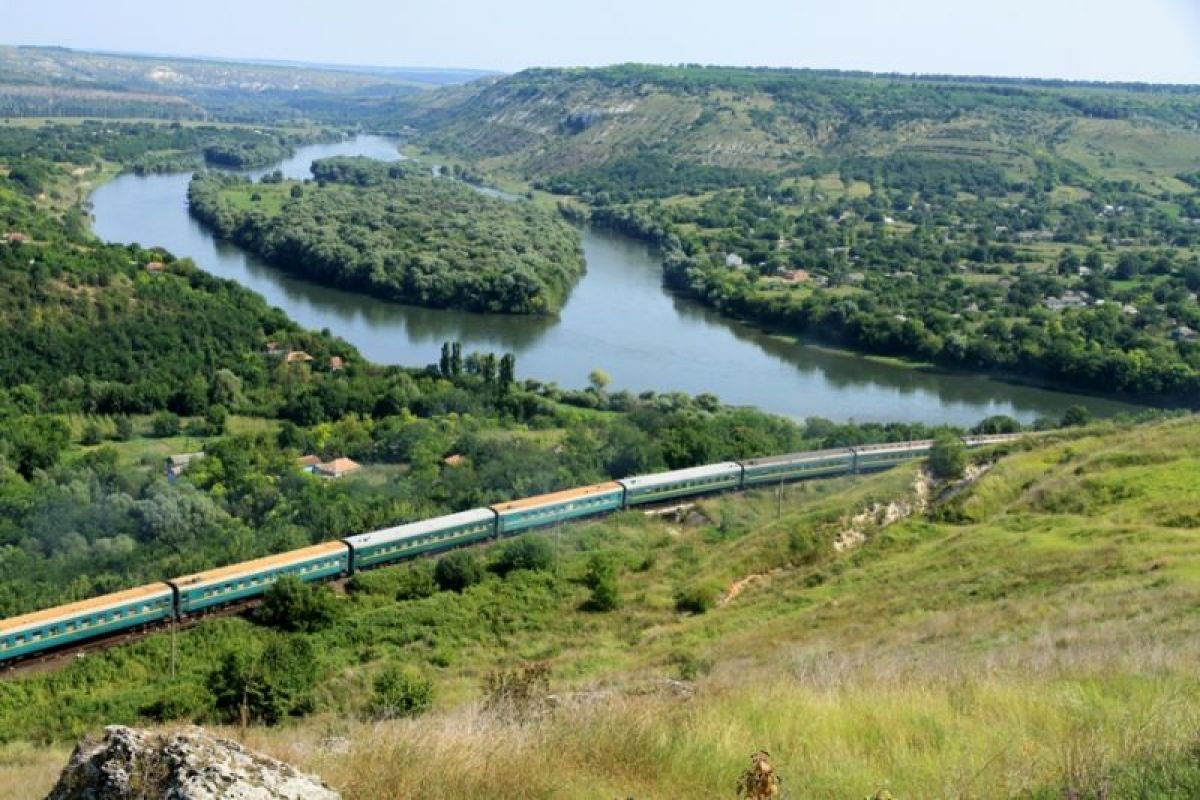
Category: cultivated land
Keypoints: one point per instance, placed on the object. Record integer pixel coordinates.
(1031, 636)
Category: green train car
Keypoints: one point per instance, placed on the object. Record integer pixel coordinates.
(88, 619)
(548, 509)
(429, 535)
(251, 578)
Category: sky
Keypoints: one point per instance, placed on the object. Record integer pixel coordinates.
(1132, 40)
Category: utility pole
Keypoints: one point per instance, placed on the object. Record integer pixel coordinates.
(779, 498)
(174, 624)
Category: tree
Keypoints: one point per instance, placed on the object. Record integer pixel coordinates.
(998, 423)
(293, 605)
(216, 417)
(508, 370)
(444, 364)
(125, 429)
(601, 578)
(458, 570)
(36, 442)
(948, 458)
(599, 379)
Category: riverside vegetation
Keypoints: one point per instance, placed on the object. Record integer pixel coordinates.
(396, 231)
(1032, 636)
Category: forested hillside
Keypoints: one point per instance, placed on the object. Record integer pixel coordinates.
(398, 232)
(1042, 230)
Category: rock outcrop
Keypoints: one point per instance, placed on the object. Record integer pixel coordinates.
(130, 764)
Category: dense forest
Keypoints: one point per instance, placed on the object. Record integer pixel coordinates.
(399, 232)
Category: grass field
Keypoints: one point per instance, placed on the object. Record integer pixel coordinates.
(1034, 636)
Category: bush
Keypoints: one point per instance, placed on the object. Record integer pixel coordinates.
(401, 692)
(601, 578)
(697, 598)
(165, 424)
(91, 434)
(266, 687)
(458, 570)
(292, 605)
(124, 429)
(948, 458)
(415, 583)
(529, 552)
(1075, 416)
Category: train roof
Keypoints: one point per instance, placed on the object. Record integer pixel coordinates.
(420, 527)
(798, 458)
(675, 476)
(71, 610)
(555, 497)
(258, 565)
(993, 438)
(890, 447)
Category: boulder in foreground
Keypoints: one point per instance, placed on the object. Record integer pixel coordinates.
(130, 764)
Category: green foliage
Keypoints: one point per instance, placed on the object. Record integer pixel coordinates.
(601, 579)
(35, 442)
(530, 551)
(266, 686)
(293, 605)
(458, 570)
(948, 458)
(395, 231)
(697, 598)
(401, 692)
(1076, 416)
(415, 583)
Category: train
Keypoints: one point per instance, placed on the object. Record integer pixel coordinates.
(203, 592)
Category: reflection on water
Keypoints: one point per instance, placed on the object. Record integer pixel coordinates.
(618, 318)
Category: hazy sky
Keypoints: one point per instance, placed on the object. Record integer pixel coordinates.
(1153, 40)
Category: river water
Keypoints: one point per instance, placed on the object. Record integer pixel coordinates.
(618, 318)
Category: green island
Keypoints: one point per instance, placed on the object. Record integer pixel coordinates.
(398, 232)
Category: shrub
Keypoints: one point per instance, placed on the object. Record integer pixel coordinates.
(518, 695)
(1075, 416)
(529, 552)
(165, 424)
(124, 429)
(697, 598)
(458, 570)
(948, 458)
(266, 687)
(91, 434)
(401, 692)
(601, 578)
(292, 605)
(415, 583)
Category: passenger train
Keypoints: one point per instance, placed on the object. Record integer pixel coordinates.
(190, 595)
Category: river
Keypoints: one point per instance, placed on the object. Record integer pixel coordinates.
(618, 318)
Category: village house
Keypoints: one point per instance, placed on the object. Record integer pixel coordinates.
(297, 356)
(1184, 334)
(178, 464)
(337, 468)
(154, 266)
(16, 237)
(336, 364)
(733, 261)
(308, 463)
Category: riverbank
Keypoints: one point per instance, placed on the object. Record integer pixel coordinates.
(619, 318)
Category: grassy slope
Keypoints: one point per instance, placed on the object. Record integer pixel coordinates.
(517, 125)
(1045, 638)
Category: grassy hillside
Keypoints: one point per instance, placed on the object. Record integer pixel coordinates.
(1033, 635)
(560, 123)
